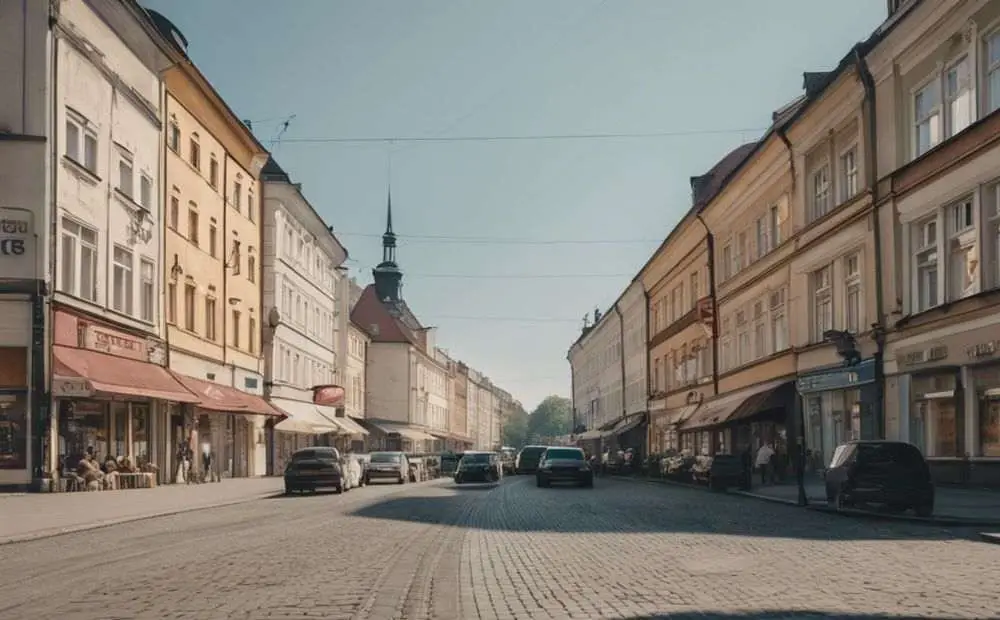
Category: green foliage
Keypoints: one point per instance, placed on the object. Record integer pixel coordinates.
(515, 427)
(551, 418)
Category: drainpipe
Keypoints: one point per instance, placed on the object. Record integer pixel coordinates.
(871, 172)
(710, 241)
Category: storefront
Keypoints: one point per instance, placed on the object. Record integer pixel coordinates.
(629, 432)
(946, 401)
(665, 423)
(837, 406)
(112, 397)
(303, 426)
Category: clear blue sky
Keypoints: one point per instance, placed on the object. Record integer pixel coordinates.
(437, 68)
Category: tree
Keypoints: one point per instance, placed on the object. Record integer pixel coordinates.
(515, 427)
(551, 418)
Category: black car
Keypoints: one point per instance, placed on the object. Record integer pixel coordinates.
(889, 473)
(478, 467)
(528, 458)
(564, 465)
(314, 468)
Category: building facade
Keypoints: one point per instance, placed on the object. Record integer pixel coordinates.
(212, 265)
(596, 365)
(935, 77)
(357, 360)
(301, 266)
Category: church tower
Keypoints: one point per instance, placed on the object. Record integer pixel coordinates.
(388, 276)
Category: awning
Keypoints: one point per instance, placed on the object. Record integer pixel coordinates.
(403, 431)
(223, 398)
(625, 425)
(303, 417)
(733, 406)
(350, 426)
(118, 375)
(680, 414)
(589, 435)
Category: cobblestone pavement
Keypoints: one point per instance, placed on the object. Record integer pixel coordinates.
(437, 551)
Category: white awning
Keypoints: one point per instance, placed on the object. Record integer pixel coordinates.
(351, 426)
(403, 431)
(345, 424)
(303, 417)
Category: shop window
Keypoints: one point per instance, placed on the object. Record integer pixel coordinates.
(82, 425)
(13, 431)
(140, 435)
(934, 425)
(989, 427)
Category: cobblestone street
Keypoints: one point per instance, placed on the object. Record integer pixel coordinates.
(434, 550)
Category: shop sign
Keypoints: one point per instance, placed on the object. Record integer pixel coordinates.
(924, 356)
(838, 378)
(983, 349)
(114, 343)
(330, 395)
(17, 243)
(71, 387)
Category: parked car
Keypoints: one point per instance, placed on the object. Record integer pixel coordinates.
(564, 465)
(479, 467)
(893, 474)
(313, 468)
(528, 458)
(392, 466)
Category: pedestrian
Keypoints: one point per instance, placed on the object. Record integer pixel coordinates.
(764, 456)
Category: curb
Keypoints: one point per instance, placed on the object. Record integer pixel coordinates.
(942, 520)
(112, 522)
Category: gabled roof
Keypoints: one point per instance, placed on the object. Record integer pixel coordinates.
(384, 323)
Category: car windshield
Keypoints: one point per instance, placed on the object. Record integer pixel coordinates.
(564, 453)
(385, 457)
(476, 458)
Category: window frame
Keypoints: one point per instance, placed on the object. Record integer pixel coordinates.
(822, 292)
(147, 289)
(76, 272)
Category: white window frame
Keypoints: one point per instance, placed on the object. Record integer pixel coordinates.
(126, 173)
(190, 308)
(925, 241)
(991, 99)
(932, 118)
(823, 318)
(726, 259)
(968, 88)
(71, 281)
(963, 239)
(83, 148)
(147, 289)
(854, 308)
(819, 188)
(777, 306)
(123, 280)
(744, 348)
(762, 236)
(146, 193)
(849, 172)
(211, 318)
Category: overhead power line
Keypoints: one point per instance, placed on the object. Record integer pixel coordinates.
(499, 240)
(520, 138)
(501, 319)
(521, 276)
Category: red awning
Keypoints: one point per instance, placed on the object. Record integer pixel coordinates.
(222, 398)
(119, 375)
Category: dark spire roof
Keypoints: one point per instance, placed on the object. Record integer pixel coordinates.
(387, 274)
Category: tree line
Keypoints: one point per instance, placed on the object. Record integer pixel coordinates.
(551, 418)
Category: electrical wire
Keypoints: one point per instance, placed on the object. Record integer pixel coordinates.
(503, 319)
(406, 239)
(520, 276)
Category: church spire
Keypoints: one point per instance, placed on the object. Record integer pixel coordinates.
(387, 274)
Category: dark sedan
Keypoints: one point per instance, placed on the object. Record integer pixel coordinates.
(478, 467)
(314, 468)
(528, 458)
(564, 465)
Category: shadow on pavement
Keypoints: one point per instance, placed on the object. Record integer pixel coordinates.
(519, 506)
(776, 614)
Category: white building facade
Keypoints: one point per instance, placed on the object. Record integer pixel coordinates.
(596, 363)
(355, 385)
(301, 260)
(631, 308)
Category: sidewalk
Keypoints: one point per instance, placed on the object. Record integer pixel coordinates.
(949, 503)
(26, 516)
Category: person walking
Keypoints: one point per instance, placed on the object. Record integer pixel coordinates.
(764, 456)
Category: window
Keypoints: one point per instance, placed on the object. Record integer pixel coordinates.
(79, 260)
(779, 321)
(236, 328)
(694, 289)
(147, 290)
(193, 223)
(251, 339)
(742, 252)
(234, 257)
(210, 321)
(759, 330)
(727, 262)
(189, 290)
(963, 253)
(655, 379)
(289, 242)
(925, 259)
(251, 265)
(822, 281)
(146, 191)
(927, 118)
(250, 206)
(776, 222)
(993, 73)
(125, 176)
(213, 172)
(79, 128)
(213, 238)
(742, 339)
(762, 243)
(195, 152)
(122, 280)
(849, 174)
(991, 216)
(175, 212)
(957, 97)
(237, 195)
(677, 303)
(852, 293)
(820, 191)
(172, 303)
(174, 138)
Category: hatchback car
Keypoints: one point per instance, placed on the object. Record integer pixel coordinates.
(564, 465)
(393, 466)
(314, 468)
(527, 459)
(889, 473)
(479, 467)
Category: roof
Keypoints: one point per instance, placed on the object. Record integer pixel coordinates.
(383, 323)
